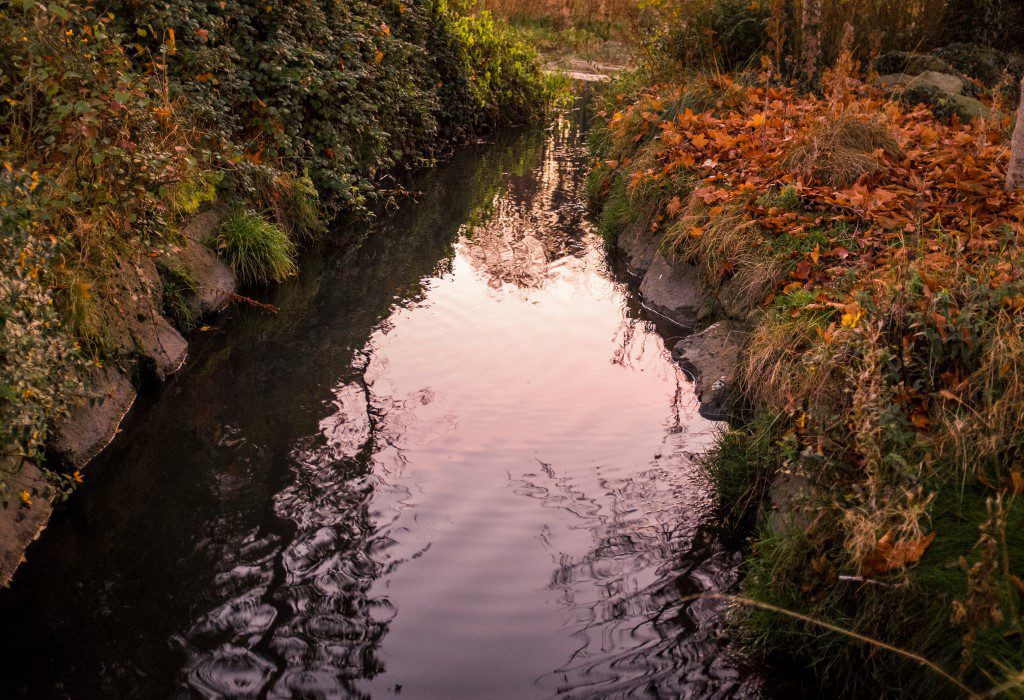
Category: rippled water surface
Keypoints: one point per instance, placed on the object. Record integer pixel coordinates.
(457, 463)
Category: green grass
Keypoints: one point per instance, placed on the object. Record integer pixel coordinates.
(303, 211)
(741, 467)
(258, 251)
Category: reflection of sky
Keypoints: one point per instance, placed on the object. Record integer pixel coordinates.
(500, 502)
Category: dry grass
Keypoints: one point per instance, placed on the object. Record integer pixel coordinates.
(561, 13)
(980, 418)
(841, 150)
(727, 244)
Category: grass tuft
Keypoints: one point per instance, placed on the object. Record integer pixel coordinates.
(841, 150)
(258, 251)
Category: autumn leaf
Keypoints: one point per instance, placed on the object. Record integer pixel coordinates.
(887, 555)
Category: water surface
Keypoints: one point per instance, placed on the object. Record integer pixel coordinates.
(458, 462)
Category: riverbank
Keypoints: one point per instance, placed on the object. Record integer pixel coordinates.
(150, 176)
(854, 252)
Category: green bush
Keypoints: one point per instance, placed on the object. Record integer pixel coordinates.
(347, 90)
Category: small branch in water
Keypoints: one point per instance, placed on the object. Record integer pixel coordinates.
(249, 300)
(917, 658)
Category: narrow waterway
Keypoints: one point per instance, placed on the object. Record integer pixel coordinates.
(458, 462)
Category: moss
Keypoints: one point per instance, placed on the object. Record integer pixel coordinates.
(192, 193)
(258, 251)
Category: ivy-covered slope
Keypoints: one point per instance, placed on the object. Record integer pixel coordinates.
(118, 121)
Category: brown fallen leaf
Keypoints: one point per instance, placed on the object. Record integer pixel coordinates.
(888, 555)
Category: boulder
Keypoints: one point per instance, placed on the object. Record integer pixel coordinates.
(640, 246)
(20, 523)
(909, 63)
(134, 325)
(160, 343)
(943, 92)
(674, 291)
(712, 359)
(943, 82)
(215, 282)
(93, 423)
(983, 63)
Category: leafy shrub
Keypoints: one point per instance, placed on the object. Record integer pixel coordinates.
(37, 359)
(725, 33)
(508, 86)
(347, 90)
(257, 250)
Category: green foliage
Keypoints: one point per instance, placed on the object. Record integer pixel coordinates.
(257, 250)
(347, 90)
(301, 210)
(179, 289)
(37, 359)
(508, 85)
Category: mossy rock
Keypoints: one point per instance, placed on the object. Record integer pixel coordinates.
(909, 63)
(946, 105)
(942, 92)
(983, 63)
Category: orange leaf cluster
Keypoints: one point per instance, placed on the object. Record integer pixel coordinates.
(951, 175)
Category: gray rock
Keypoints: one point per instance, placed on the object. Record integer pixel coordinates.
(910, 63)
(159, 342)
(93, 423)
(675, 292)
(640, 246)
(136, 325)
(943, 82)
(19, 525)
(215, 282)
(712, 359)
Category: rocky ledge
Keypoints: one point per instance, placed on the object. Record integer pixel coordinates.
(150, 347)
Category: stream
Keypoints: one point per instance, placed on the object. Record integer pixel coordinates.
(457, 462)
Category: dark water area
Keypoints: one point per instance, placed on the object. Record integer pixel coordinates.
(458, 462)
